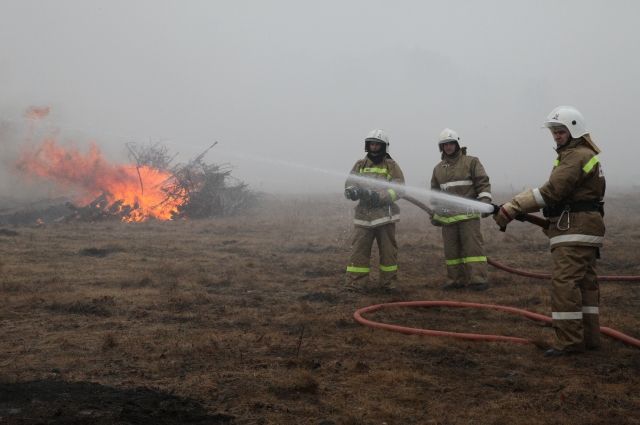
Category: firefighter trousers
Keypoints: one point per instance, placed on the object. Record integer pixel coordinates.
(358, 269)
(575, 298)
(464, 253)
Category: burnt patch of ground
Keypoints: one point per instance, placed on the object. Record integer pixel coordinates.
(96, 307)
(320, 297)
(100, 252)
(61, 402)
(34, 214)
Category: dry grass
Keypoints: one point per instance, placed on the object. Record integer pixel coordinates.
(244, 317)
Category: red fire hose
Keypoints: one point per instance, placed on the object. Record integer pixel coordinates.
(456, 304)
(537, 275)
(470, 336)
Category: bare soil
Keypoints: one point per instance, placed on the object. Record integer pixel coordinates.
(242, 320)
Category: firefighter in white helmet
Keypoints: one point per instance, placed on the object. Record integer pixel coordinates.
(374, 181)
(572, 199)
(461, 175)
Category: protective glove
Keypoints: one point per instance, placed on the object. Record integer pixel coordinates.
(371, 197)
(505, 214)
(374, 199)
(522, 203)
(353, 193)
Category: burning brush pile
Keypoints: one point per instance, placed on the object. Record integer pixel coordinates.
(148, 187)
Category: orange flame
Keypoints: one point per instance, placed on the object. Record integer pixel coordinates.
(136, 189)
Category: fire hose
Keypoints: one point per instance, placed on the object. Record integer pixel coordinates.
(540, 222)
(538, 275)
(459, 304)
(471, 336)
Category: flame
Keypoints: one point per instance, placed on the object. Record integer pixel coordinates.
(138, 193)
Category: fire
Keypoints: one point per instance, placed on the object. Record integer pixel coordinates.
(138, 193)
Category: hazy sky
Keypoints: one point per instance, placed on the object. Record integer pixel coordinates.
(304, 82)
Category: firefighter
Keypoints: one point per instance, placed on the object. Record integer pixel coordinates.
(374, 182)
(461, 175)
(572, 201)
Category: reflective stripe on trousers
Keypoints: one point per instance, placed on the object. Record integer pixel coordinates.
(356, 269)
(465, 260)
(575, 237)
(574, 315)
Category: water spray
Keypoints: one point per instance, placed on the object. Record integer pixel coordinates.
(453, 203)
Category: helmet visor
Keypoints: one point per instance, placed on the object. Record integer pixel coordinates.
(552, 124)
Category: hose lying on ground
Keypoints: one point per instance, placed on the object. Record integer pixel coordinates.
(483, 337)
(537, 275)
(470, 336)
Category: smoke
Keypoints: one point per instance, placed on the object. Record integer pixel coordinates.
(35, 113)
(14, 136)
(19, 137)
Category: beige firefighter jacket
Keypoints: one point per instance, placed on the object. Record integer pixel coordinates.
(460, 175)
(576, 177)
(387, 211)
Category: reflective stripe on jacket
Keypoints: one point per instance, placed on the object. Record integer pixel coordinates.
(388, 211)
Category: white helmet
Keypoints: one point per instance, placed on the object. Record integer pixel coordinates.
(569, 117)
(378, 135)
(447, 135)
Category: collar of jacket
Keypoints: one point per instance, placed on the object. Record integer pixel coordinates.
(570, 145)
(367, 162)
(379, 159)
(450, 159)
(376, 159)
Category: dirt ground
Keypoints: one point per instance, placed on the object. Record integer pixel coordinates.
(242, 321)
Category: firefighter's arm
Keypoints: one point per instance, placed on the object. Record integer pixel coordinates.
(352, 189)
(351, 181)
(397, 178)
(388, 195)
(434, 181)
(523, 203)
(435, 186)
(561, 183)
(481, 182)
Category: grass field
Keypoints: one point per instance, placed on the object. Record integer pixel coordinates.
(242, 321)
